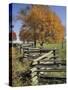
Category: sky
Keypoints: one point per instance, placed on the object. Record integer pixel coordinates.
(59, 10)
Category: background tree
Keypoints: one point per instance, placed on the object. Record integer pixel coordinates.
(12, 36)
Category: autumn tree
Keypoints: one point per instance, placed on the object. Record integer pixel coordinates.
(44, 23)
(12, 36)
(33, 19)
(25, 35)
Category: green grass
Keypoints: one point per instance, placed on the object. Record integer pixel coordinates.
(61, 51)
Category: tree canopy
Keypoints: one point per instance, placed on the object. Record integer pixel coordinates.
(44, 25)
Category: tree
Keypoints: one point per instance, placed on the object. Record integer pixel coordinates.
(43, 19)
(25, 34)
(33, 19)
(12, 36)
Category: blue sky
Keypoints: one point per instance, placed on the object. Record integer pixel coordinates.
(59, 10)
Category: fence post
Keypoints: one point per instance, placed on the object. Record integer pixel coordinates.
(38, 68)
(34, 77)
(20, 49)
(54, 53)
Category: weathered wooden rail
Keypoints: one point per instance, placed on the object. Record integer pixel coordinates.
(52, 70)
(27, 45)
(36, 52)
(21, 46)
(51, 80)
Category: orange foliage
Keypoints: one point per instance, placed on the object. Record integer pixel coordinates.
(46, 23)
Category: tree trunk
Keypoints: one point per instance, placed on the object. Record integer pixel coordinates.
(34, 43)
(62, 45)
(41, 44)
(34, 39)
